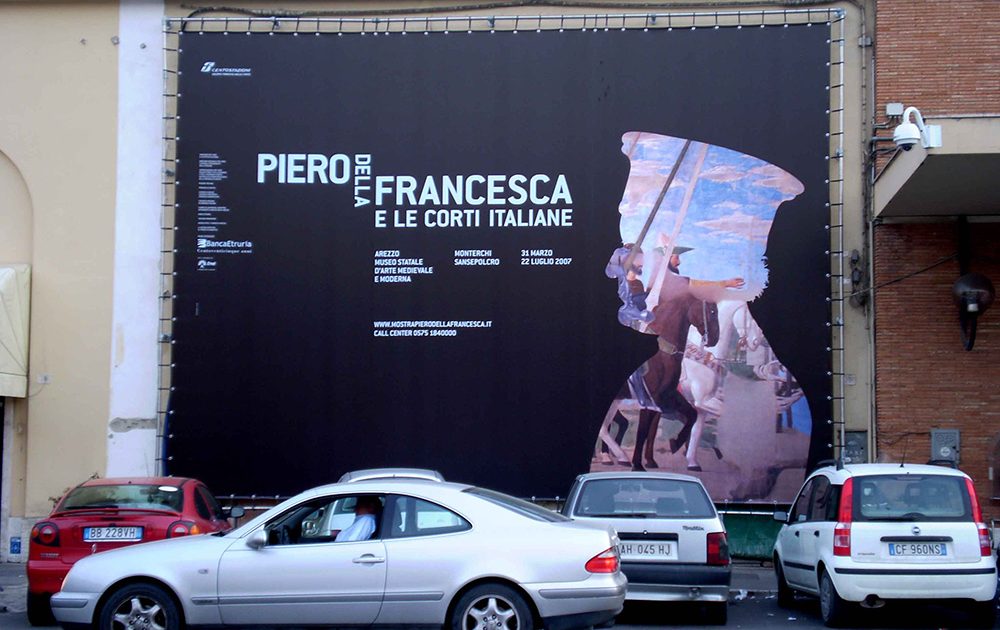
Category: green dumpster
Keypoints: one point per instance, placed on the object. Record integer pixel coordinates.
(751, 534)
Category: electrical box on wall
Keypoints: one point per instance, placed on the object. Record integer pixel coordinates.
(945, 444)
(855, 447)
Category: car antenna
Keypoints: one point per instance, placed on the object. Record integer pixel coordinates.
(906, 443)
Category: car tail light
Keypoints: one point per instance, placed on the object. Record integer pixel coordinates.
(182, 528)
(718, 549)
(604, 562)
(845, 515)
(846, 512)
(842, 539)
(46, 534)
(985, 546)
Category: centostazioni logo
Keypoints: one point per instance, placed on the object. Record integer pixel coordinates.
(213, 69)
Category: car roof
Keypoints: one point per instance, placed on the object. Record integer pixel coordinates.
(139, 481)
(391, 473)
(626, 474)
(859, 470)
(388, 484)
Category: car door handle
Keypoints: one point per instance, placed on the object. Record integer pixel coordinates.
(368, 559)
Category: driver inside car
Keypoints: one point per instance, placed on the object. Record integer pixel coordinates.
(365, 513)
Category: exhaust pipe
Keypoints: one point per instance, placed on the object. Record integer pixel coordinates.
(873, 601)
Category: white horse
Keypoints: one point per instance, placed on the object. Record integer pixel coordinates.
(701, 378)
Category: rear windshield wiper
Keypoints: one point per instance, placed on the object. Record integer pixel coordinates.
(908, 517)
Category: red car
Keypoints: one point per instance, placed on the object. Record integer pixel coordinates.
(102, 514)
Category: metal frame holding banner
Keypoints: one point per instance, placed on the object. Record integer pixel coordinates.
(513, 249)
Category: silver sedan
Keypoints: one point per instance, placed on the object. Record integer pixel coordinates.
(387, 551)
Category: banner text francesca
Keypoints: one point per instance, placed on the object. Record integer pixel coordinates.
(443, 201)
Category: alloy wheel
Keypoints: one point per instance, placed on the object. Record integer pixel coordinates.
(491, 612)
(139, 612)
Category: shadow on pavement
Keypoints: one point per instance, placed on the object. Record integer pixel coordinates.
(662, 614)
(912, 615)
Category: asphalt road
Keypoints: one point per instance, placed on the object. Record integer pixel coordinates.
(763, 612)
(752, 612)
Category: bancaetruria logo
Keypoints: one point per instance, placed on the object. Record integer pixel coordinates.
(209, 67)
(206, 243)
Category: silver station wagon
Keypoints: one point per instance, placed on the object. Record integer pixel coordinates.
(673, 545)
(383, 551)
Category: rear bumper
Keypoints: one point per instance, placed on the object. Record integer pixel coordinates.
(857, 581)
(677, 582)
(46, 576)
(602, 595)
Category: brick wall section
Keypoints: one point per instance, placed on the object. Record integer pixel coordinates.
(937, 55)
(925, 378)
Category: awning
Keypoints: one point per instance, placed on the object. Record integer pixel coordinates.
(15, 293)
(958, 178)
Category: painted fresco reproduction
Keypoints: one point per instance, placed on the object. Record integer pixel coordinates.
(714, 401)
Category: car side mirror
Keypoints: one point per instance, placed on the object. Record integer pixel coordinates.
(235, 512)
(258, 539)
(781, 517)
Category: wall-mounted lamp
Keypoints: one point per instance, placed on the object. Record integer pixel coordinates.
(908, 134)
(973, 293)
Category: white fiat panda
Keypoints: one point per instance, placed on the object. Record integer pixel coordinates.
(859, 535)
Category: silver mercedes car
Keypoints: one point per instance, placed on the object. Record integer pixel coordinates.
(385, 551)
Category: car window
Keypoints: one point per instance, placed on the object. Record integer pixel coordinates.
(213, 506)
(201, 507)
(127, 496)
(518, 506)
(635, 497)
(820, 499)
(410, 516)
(800, 510)
(833, 503)
(911, 497)
(317, 521)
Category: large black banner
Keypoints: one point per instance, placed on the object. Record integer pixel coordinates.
(511, 257)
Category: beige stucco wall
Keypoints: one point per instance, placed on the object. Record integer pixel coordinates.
(57, 129)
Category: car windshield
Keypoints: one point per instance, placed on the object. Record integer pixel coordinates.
(911, 498)
(519, 506)
(134, 496)
(643, 498)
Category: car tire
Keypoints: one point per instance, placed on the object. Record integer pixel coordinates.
(717, 614)
(40, 609)
(495, 606)
(786, 596)
(983, 614)
(832, 608)
(141, 603)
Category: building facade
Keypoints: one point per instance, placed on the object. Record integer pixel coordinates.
(86, 168)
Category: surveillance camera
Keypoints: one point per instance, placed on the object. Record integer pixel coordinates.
(906, 135)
